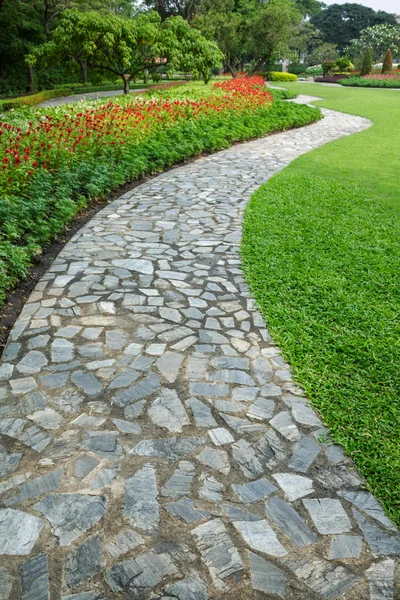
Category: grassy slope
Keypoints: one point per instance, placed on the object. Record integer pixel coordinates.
(328, 279)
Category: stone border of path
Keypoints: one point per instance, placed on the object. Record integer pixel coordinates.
(153, 443)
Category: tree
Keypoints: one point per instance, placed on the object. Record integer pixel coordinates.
(325, 51)
(270, 30)
(128, 47)
(378, 39)
(366, 66)
(186, 9)
(387, 63)
(340, 23)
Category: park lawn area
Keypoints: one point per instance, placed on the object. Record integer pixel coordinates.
(321, 252)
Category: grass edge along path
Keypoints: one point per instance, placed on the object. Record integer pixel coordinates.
(321, 253)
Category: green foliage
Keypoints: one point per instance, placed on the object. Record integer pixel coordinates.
(387, 62)
(323, 52)
(370, 83)
(378, 39)
(328, 67)
(341, 23)
(278, 76)
(366, 66)
(129, 47)
(315, 71)
(343, 65)
(31, 100)
(28, 221)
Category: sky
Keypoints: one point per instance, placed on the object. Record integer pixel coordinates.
(391, 6)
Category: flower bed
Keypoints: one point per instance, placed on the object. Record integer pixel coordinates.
(55, 160)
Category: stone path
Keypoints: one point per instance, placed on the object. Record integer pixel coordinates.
(153, 444)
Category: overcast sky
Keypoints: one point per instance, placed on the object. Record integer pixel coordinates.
(392, 6)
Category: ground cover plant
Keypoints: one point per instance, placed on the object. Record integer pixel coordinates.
(373, 81)
(321, 253)
(56, 160)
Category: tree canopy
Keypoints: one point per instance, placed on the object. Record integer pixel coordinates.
(341, 23)
(378, 40)
(129, 47)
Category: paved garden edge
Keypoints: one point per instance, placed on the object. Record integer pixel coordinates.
(152, 442)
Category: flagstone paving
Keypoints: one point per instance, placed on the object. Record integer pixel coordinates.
(152, 442)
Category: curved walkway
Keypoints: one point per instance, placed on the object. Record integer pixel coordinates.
(154, 445)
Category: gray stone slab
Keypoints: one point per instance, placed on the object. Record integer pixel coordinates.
(138, 576)
(47, 418)
(323, 577)
(289, 522)
(103, 478)
(215, 459)
(380, 542)
(124, 542)
(345, 547)
(35, 578)
(219, 553)
(186, 510)
(294, 486)
(304, 454)
(169, 364)
(266, 577)
(143, 389)
(34, 488)
(192, 587)
(172, 448)
(202, 413)
(244, 455)
(18, 532)
(84, 464)
(71, 515)
(285, 425)
(35, 438)
(254, 490)
(178, 485)
(88, 383)
(328, 515)
(262, 409)
(211, 490)
(220, 436)
(235, 513)
(100, 441)
(33, 362)
(209, 390)
(127, 426)
(84, 561)
(366, 502)
(141, 505)
(9, 463)
(168, 411)
(381, 580)
(92, 595)
(242, 426)
(259, 536)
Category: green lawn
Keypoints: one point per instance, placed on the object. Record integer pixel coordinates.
(321, 253)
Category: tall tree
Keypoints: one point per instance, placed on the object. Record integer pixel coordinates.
(378, 39)
(341, 23)
(186, 9)
(129, 47)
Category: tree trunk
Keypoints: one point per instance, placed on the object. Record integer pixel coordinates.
(145, 76)
(31, 79)
(126, 84)
(83, 66)
(231, 70)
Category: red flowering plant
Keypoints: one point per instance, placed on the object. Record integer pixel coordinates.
(90, 131)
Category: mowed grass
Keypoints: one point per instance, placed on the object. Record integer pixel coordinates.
(321, 253)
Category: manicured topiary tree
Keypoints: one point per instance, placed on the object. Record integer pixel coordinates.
(366, 67)
(327, 67)
(387, 62)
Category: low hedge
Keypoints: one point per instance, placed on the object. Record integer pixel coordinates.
(330, 78)
(370, 83)
(277, 76)
(31, 100)
(33, 215)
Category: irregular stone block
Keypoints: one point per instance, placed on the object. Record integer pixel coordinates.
(366, 502)
(192, 587)
(304, 454)
(294, 486)
(84, 561)
(125, 541)
(290, 522)
(220, 436)
(254, 491)
(6, 584)
(134, 577)
(266, 577)
(71, 515)
(246, 458)
(345, 546)
(18, 532)
(242, 426)
(168, 411)
(215, 459)
(143, 389)
(171, 448)
(380, 542)
(259, 536)
(84, 464)
(219, 553)
(381, 580)
(212, 489)
(185, 509)
(35, 578)
(179, 484)
(37, 487)
(141, 499)
(284, 424)
(328, 515)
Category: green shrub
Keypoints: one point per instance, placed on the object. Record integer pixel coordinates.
(366, 67)
(327, 67)
(387, 63)
(31, 100)
(370, 83)
(277, 76)
(296, 69)
(343, 65)
(315, 71)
